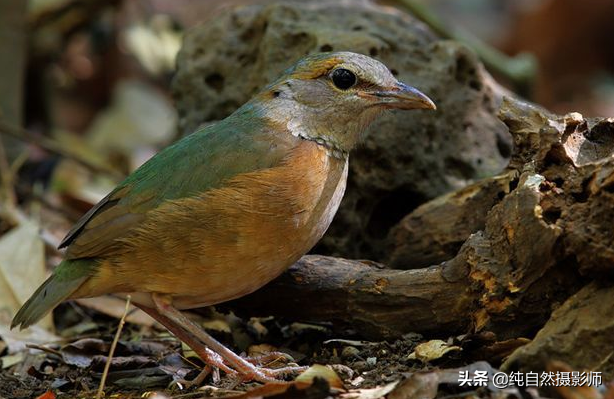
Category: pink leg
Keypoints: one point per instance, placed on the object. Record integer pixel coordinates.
(206, 354)
(180, 322)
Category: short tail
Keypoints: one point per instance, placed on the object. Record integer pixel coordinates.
(57, 288)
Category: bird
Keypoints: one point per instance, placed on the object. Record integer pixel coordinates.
(229, 207)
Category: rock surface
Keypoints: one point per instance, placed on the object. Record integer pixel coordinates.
(579, 333)
(409, 157)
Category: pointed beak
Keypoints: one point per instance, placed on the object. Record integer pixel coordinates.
(403, 96)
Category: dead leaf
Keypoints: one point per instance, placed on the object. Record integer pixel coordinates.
(216, 325)
(88, 352)
(371, 393)
(22, 270)
(432, 350)
(316, 389)
(81, 353)
(323, 372)
(11, 360)
(314, 383)
(17, 340)
(419, 385)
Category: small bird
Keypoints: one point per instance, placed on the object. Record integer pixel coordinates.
(225, 210)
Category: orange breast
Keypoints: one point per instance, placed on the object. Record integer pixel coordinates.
(230, 241)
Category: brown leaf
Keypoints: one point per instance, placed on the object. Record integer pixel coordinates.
(318, 389)
(370, 393)
(22, 269)
(314, 383)
(321, 372)
(432, 350)
(419, 385)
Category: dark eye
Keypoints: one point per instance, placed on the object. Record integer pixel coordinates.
(343, 78)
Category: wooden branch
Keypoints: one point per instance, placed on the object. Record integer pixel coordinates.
(436, 230)
(364, 297)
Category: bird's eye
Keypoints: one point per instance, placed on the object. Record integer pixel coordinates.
(343, 78)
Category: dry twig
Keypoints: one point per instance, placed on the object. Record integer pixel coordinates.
(122, 321)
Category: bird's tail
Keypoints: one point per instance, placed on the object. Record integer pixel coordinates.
(65, 280)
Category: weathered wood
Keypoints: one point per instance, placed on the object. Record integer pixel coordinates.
(435, 231)
(364, 297)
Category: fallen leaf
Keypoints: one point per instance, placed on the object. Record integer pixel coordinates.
(17, 340)
(419, 385)
(87, 351)
(370, 393)
(323, 372)
(314, 383)
(424, 385)
(11, 360)
(81, 353)
(316, 389)
(216, 325)
(432, 350)
(22, 270)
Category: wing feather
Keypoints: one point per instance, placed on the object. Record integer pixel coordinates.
(193, 165)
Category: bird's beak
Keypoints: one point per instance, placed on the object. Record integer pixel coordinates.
(402, 96)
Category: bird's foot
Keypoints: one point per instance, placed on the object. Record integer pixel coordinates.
(267, 375)
(212, 351)
(200, 378)
(270, 359)
(272, 366)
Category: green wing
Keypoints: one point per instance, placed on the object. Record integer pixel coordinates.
(199, 162)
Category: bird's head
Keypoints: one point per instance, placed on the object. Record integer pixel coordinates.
(331, 98)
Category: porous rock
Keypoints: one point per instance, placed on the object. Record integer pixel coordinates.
(409, 157)
(579, 333)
